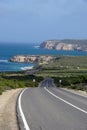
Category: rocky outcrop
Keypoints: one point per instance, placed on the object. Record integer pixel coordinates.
(32, 59)
(80, 45)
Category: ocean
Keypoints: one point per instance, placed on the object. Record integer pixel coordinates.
(9, 50)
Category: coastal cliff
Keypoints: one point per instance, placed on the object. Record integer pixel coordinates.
(79, 45)
(32, 59)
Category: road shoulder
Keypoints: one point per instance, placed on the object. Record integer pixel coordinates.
(8, 119)
(78, 92)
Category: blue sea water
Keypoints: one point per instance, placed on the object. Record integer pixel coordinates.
(9, 50)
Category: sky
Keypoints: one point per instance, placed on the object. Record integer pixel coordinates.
(30, 21)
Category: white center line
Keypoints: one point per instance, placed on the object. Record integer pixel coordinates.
(66, 101)
(21, 111)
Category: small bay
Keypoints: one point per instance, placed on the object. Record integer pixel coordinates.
(7, 51)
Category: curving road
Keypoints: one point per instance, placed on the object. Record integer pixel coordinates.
(51, 108)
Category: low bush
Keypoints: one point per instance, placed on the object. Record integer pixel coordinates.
(72, 82)
(13, 82)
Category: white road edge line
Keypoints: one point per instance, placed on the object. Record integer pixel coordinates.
(66, 101)
(21, 111)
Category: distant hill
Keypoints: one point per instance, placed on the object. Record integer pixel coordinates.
(66, 44)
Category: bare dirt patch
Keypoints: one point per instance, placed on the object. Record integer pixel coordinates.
(8, 119)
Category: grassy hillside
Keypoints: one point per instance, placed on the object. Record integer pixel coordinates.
(65, 66)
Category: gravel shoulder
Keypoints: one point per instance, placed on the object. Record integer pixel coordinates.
(8, 119)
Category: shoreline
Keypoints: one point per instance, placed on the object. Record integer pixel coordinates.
(27, 68)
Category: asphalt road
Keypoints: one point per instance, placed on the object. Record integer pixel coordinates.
(51, 108)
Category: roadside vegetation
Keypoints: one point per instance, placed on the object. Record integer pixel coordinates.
(78, 83)
(18, 80)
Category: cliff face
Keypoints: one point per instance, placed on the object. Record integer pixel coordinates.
(65, 45)
(32, 59)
